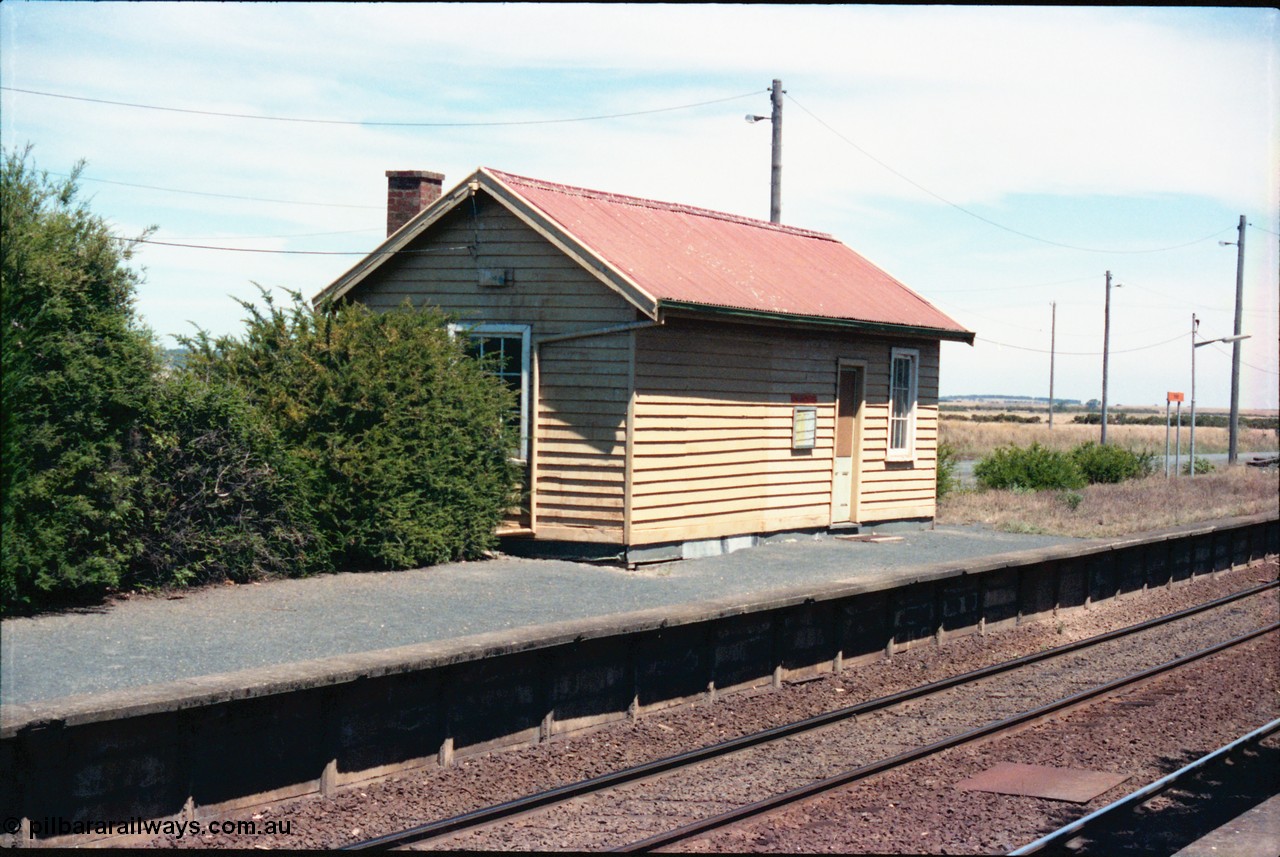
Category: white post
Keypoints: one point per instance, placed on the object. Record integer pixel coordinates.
(1177, 450)
(1167, 426)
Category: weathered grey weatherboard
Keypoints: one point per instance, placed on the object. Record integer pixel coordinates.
(189, 749)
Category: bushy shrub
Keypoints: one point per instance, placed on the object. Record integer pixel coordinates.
(1111, 464)
(1071, 499)
(77, 374)
(401, 440)
(948, 460)
(1032, 468)
(1202, 465)
(219, 497)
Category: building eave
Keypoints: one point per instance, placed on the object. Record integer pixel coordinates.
(725, 313)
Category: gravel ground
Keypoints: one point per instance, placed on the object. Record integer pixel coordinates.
(1146, 735)
(639, 810)
(389, 804)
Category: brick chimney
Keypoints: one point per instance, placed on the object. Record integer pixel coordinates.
(408, 192)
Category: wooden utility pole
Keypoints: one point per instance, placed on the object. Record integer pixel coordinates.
(1233, 430)
(775, 177)
(1106, 353)
(1053, 337)
(775, 166)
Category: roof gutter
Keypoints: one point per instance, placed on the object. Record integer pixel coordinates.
(783, 318)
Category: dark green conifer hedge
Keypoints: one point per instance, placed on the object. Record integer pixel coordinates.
(402, 441)
(322, 439)
(78, 372)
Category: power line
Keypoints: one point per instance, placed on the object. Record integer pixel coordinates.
(290, 252)
(960, 310)
(1196, 306)
(267, 237)
(379, 123)
(218, 195)
(1086, 353)
(1012, 288)
(988, 220)
(1218, 349)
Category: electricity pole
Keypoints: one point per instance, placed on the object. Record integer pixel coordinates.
(1106, 353)
(1053, 336)
(775, 169)
(1233, 431)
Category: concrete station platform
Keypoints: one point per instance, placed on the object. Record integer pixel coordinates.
(1256, 833)
(222, 629)
(233, 696)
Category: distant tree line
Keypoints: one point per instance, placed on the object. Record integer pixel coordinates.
(996, 418)
(1202, 420)
(322, 439)
(997, 398)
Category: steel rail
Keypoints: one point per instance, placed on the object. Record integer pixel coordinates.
(489, 814)
(1142, 795)
(825, 785)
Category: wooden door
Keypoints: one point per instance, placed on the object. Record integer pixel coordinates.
(847, 470)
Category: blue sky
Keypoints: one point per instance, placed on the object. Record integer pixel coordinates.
(995, 159)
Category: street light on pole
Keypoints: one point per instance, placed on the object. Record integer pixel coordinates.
(1195, 325)
(1233, 428)
(775, 170)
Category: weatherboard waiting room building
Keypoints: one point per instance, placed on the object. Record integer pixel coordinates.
(689, 380)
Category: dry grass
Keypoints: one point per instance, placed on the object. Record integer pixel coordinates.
(1115, 510)
(976, 440)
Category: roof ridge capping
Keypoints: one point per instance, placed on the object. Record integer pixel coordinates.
(675, 207)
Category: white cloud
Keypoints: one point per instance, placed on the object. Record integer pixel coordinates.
(1099, 127)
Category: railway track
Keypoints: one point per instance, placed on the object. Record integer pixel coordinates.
(679, 797)
(1112, 813)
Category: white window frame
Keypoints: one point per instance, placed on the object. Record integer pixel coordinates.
(524, 332)
(906, 452)
(804, 427)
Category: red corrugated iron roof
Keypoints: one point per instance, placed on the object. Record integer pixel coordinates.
(678, 253)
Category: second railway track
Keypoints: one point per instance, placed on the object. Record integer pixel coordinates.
(639, 807)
